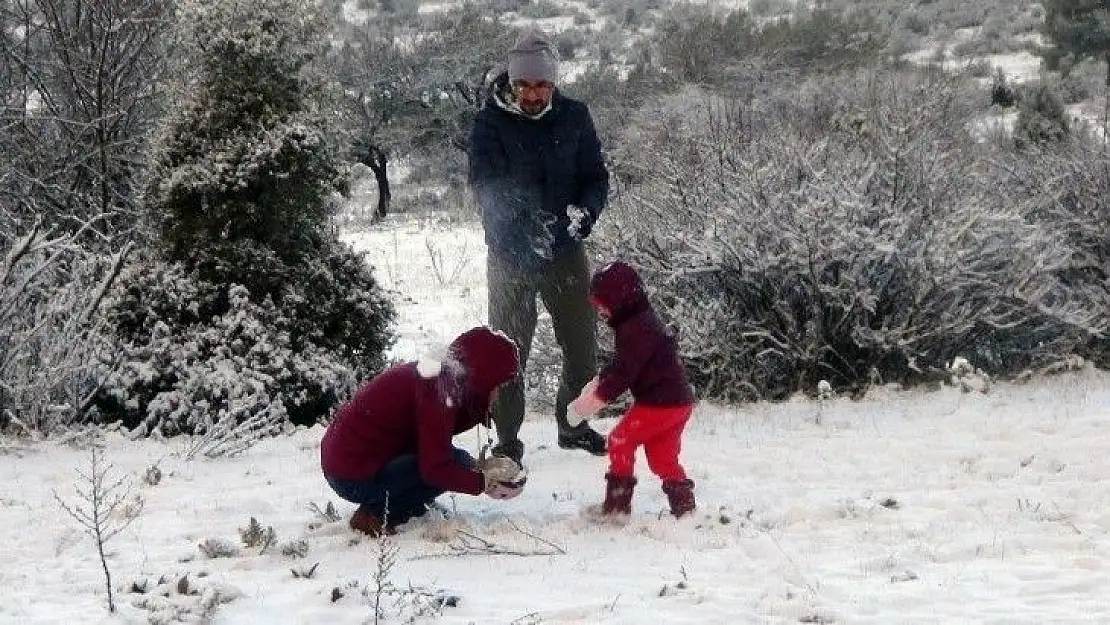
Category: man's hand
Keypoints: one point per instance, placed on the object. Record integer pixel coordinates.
(581, 222)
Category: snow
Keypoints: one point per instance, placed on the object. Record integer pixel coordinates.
(428, 367)
(571, 70)
(550, 25)
(904, 507)
(353, 14)
(723, 5)
(437, 271)
(1019, 67)
(427, 8)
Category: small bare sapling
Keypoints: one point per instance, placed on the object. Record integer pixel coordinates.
(103, 508)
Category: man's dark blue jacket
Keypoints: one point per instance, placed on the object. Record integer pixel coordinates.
(526, 171)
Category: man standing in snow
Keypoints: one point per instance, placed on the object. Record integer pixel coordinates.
(390, 448)
(537, 171)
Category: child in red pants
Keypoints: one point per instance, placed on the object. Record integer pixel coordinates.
(647, 364)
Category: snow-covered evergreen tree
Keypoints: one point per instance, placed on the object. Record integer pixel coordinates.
(248, 303)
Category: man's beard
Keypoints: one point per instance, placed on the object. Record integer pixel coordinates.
(532, 106)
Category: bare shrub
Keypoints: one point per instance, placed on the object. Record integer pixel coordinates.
(255, 536)
(1042, 118)
(213, 548)
(842, 227)
(82, 83)
(51, 290)
(388, 600)
(298, 549)
(104, 509)
(1069, 188)
(327, 514)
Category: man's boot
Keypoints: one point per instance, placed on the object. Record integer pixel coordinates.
(583, 437)
(618, 494)
(510, 449)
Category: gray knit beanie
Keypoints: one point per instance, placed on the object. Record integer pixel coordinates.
(533, 58)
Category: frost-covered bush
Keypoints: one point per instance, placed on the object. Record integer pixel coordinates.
(1042, 117)
(701, 45)
(1069, 187)
(195, 355)
(847, 229)
(329, 295)
(50, 329)
(248, 312)
(250, 155)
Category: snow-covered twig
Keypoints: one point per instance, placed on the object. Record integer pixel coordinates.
(228, 438)
(97, 514)
(467, 543)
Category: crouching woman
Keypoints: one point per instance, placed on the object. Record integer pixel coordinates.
(390, 448)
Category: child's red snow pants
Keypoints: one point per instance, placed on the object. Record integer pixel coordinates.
(659, 430)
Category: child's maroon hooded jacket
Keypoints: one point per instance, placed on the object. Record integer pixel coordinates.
(646, 360)
(405, 410)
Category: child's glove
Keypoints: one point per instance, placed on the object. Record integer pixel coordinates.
(586, 404)
(573, 418)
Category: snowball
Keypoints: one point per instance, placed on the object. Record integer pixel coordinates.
(428, 367)
(575, 215)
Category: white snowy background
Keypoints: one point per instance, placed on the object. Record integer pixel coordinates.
(948, 505)
(918, 506)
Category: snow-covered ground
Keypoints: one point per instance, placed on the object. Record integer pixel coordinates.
(436, 270)
(1019, 67)
(905, 507)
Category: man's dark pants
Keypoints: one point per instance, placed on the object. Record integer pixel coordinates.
(563, 285)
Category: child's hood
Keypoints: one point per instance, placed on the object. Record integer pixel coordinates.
(618, 287)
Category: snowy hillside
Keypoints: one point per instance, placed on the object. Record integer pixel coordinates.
(907, 507)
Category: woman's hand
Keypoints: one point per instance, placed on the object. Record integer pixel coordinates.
(504, 490)
(505, 478)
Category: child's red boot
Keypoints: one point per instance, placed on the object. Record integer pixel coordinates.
(618, 494)
(680, 495)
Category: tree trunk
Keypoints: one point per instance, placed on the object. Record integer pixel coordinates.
(1106, 102)
(379, 163)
